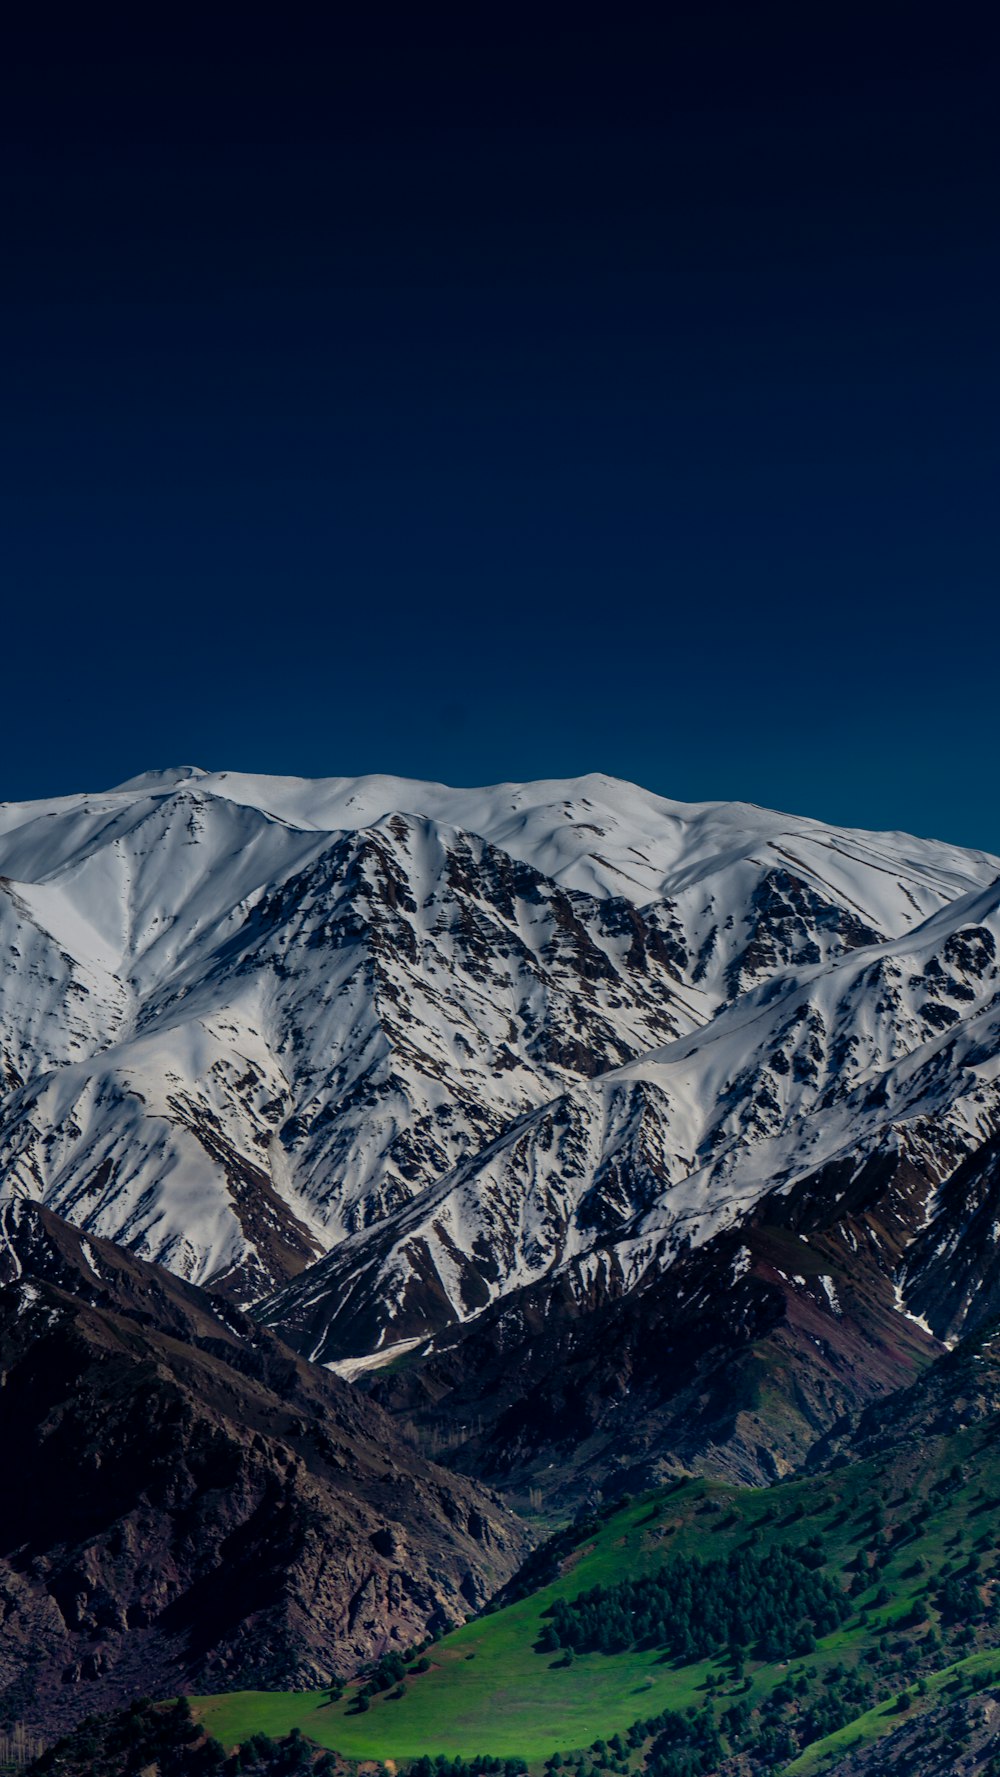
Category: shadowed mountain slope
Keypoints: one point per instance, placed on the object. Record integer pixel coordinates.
(184, 1502)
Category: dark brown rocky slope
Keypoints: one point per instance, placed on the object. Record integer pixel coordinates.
(736, 1361)
(959, 1391)
(959, 1739)
(185, 1504)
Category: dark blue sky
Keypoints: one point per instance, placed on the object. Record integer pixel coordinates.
(474, 396)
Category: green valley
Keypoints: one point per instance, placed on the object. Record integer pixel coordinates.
(906, 1541)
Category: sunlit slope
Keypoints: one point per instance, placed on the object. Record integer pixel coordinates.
(898, 1533)
(247, 1023)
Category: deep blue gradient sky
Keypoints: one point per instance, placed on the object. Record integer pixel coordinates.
(475, 396)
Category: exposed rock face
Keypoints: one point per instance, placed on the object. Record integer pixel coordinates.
(512, 1083)
(951, 1274)
(734, 1361)
(184, 1504)
(961, 1389)
(805, 1079)
(958, 1739)
(459, 1038)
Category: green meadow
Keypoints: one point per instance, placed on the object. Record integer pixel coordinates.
(924, 1512)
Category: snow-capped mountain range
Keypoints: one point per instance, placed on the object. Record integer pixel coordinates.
(383, 1052)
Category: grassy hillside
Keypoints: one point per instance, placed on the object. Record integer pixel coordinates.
(909, 1538)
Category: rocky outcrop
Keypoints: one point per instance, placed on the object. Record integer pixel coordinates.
(247, 1023)
(186, 1505)
(558, 1084)
(740, 1360)
(958, 1739)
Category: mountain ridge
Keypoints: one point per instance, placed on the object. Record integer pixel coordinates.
(189, 1503)
(380, 1056)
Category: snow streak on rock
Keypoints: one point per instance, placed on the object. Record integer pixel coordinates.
(423, 1045)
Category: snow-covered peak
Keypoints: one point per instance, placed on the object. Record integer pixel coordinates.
(156, 781)
(247, 1020)
(595, 833)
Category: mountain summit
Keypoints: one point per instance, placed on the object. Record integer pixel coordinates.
(384, 1056)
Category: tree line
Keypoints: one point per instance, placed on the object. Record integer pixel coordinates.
(775, 1604)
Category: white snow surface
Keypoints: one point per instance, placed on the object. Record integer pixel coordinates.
(470, 1028)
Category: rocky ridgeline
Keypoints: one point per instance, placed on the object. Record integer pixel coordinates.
(560, 1088)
